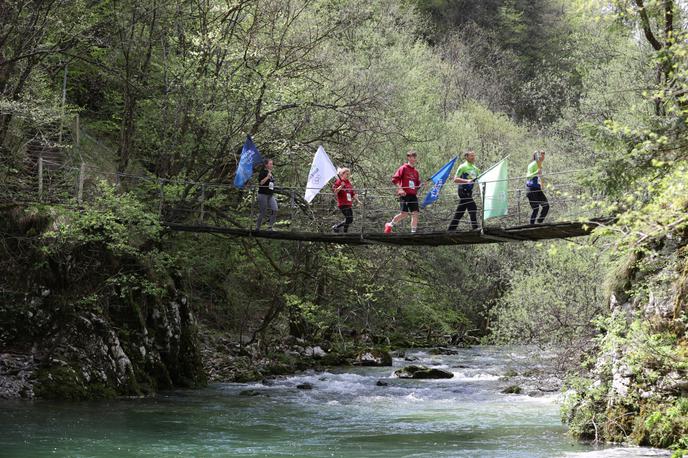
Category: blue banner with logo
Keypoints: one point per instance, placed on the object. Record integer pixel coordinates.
(250, 157)
(438, 180)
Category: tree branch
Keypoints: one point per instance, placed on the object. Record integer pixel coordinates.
(645, 22)
(668, 22)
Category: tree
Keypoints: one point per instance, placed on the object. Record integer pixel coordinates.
(33, 39)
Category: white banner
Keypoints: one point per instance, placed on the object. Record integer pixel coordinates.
(322, 171)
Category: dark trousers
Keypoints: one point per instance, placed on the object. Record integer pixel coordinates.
(538, 202)
(348, 219)
(465, 204)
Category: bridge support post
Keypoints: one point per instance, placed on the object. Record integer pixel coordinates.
(363, 211)
(80, 190)
(518, 206)
(483, 186)
(162, 196)
(202, 203)
(40, 178)
(292, 206)
(77, 132)
(254, 203)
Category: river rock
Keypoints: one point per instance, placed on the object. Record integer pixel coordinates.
(512, 389)
(443, 351)
(374, 358)
(305, 386)
(381, 383)
(549, 384)
(673, 382)
(16, 373)
(510, 373)
(422, 372)
(314, 352)
(251, 393)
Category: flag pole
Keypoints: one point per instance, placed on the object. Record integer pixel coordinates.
(494, 165)
(482, 213)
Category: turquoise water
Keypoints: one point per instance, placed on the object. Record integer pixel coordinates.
(345, 415)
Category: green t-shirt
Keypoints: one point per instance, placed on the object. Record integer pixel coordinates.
(467, 171)
(532, 169)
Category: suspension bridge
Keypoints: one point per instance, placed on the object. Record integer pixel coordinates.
(219, 208)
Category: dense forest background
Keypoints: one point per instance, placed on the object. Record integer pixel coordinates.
(171, 89)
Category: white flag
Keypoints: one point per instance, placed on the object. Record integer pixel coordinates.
(322, 171)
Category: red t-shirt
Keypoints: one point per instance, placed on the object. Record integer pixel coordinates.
(408, 177)
(345, 196)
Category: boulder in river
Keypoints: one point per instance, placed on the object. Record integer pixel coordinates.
(381, 383)
(422, 372)
(512, 389)
(443, 351)
(374, 358)
(252, 393)
(305, 386)
(510, 373)
(314, 352)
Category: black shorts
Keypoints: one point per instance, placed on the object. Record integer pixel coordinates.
(409, 204)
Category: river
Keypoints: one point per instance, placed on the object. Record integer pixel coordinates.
(345, 414)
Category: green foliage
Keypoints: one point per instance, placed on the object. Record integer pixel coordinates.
(317, 319)
(119, 221)
(652, 412)
(432, 321)
(539, 82)
(658, 216)
(552, 296)
(583, 408)
(171, 90)
(669, 426)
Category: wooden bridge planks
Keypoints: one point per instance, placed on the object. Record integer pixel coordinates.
(547, 231)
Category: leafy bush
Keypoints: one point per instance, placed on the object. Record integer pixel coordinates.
(552, 297)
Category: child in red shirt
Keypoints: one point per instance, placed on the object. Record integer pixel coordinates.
(346, 195)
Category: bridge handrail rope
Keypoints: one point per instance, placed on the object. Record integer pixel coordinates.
(253, 186)
(200, 203)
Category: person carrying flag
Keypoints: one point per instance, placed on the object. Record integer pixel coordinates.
(465, 176)
(407, 181)
(536, 198)
(266, 199)
(346, 195)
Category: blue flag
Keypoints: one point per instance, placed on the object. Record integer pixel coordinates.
(438, 179)
(250, 157)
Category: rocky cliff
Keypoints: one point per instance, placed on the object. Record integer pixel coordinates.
(636, 386)
(83, 317)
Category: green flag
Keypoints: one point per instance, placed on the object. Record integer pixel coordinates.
(495, 186)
